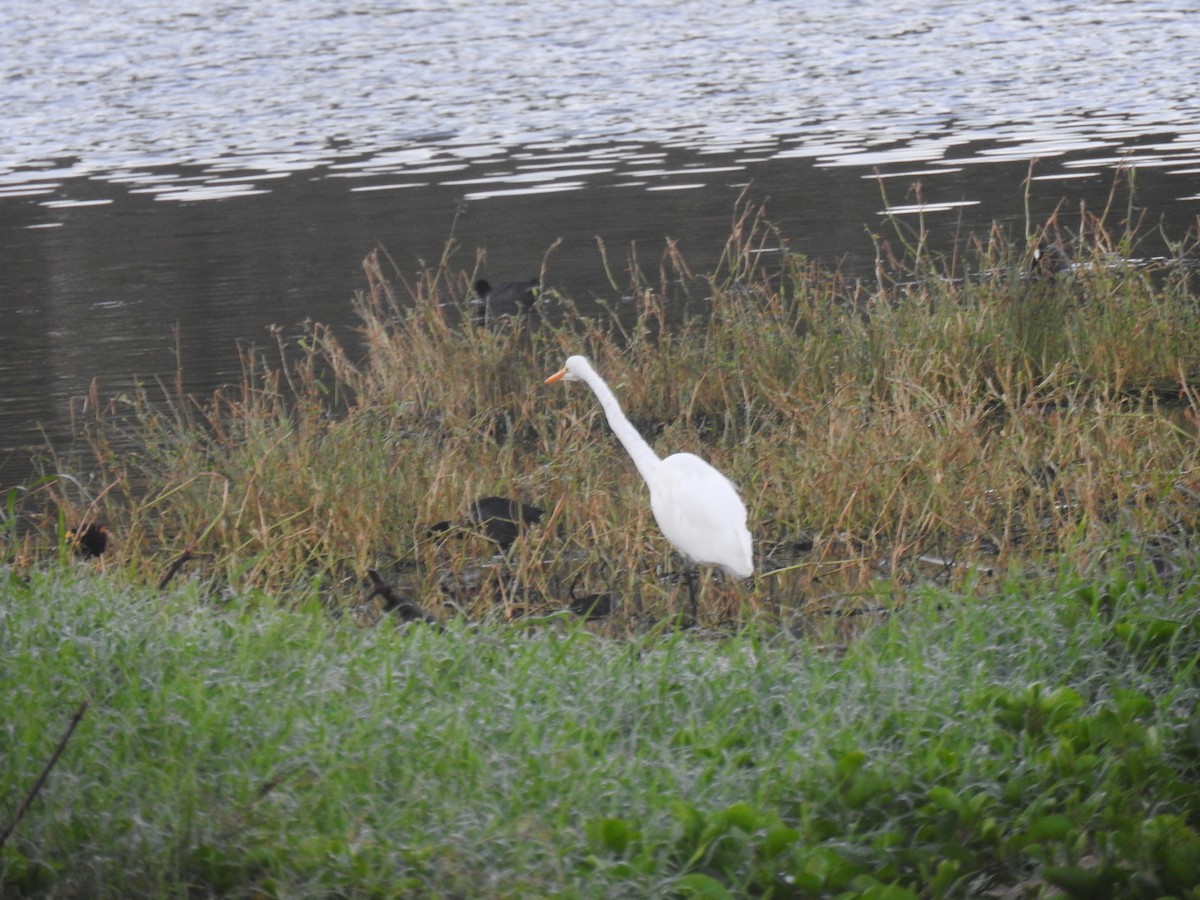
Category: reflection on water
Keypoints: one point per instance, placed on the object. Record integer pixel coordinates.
(217, 171)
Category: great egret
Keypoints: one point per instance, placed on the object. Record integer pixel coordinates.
(513, 298)
(697, 508)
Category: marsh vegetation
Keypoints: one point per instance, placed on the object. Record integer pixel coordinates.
(949, 418)
(966, 664)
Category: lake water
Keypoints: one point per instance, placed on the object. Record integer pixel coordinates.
(213, 169)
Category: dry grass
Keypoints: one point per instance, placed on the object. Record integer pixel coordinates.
(949, 417)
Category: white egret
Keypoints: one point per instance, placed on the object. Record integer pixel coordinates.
(697, 508)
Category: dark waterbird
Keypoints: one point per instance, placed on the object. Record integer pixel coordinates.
(1049, 258)
(512, 298)
(89, 540)
(391, 601)
(593, 606)
(500, 519)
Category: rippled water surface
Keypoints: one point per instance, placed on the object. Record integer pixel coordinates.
(214, 168)
(271, 84)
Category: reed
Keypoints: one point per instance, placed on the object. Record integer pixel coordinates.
(953, 416)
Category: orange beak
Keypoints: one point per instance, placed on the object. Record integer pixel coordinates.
(556, 376)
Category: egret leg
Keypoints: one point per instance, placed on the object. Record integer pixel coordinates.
(689, 574)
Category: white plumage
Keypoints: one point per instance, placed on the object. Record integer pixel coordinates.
(697, 508)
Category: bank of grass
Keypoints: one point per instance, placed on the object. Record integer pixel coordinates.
(996, 471)
(1027, 744)
(948, 416)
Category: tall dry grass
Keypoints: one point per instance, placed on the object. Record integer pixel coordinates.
(947, 417)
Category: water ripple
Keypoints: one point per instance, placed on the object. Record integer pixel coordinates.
(294, 85)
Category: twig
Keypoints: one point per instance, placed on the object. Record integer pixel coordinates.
(33, 792)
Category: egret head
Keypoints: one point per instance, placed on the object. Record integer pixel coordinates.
(572, 371)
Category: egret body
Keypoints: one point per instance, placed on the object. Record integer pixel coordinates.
(697, 508)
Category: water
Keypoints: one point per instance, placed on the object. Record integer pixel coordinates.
(209, 170)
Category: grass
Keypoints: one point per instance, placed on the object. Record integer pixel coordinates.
(962, 747)
(967, 665)
(953, 415)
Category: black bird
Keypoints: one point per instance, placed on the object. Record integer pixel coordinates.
(593, 606)
(392, 602)
(89, 540)
(513, 298)
(1049, 258)
(501, 519)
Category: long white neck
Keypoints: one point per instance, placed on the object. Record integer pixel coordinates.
(639, 451)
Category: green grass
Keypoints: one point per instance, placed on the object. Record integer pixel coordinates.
(967, 665)
(961, 745)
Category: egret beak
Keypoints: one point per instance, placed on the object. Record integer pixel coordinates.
(556, 376)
